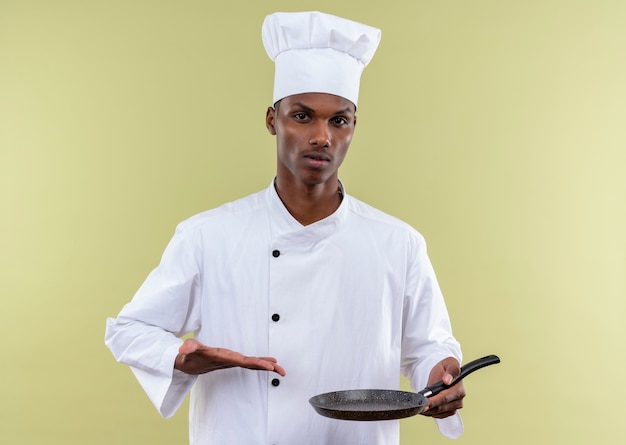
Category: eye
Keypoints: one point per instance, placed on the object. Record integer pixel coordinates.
(300, 116)
(338, 120)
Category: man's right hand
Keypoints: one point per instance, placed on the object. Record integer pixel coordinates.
(195, 358)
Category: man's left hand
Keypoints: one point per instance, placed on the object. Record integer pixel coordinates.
(448, 401)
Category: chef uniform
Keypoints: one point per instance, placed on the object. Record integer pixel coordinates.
(347, 302)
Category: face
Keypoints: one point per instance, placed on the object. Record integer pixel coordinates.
(313, 132)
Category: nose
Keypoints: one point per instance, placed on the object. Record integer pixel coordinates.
(320, 136)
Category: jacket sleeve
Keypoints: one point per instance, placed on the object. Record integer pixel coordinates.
(427, 333)
(146, 333)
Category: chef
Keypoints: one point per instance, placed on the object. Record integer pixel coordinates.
(298, 289)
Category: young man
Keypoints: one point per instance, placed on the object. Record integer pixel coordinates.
(301, 279)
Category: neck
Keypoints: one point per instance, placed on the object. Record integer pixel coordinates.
(309, 204)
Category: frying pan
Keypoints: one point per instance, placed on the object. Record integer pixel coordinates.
(385, 404)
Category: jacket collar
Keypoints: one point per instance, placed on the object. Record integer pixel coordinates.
(286, 227)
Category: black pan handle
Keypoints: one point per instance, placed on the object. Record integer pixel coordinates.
(466, 370)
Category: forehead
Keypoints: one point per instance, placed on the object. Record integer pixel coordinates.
(318, 102)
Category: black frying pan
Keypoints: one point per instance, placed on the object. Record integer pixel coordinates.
(386, 404)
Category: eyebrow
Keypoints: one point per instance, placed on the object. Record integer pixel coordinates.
(311, 110)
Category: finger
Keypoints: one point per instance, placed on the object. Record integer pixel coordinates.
(446, 403)
(256, 363)
(267, 364)
(441, 412)
(280, 370)
(446, 398)
(277, 368)
(453, 368)
(189, 346)
(445, 411)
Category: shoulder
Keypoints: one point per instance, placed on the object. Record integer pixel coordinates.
(240, 210)
(374, 217)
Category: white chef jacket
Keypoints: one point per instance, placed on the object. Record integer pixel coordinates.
(347, 302)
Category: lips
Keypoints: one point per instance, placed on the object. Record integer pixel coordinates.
(317, 160)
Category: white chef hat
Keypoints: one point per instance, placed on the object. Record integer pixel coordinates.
(318, 53)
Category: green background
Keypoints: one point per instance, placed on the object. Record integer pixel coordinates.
(496, 128)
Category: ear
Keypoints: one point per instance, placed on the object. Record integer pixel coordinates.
(270, 116)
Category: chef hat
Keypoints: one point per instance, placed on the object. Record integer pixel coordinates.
(318, 53)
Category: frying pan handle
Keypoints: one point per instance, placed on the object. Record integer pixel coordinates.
(466, 370)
